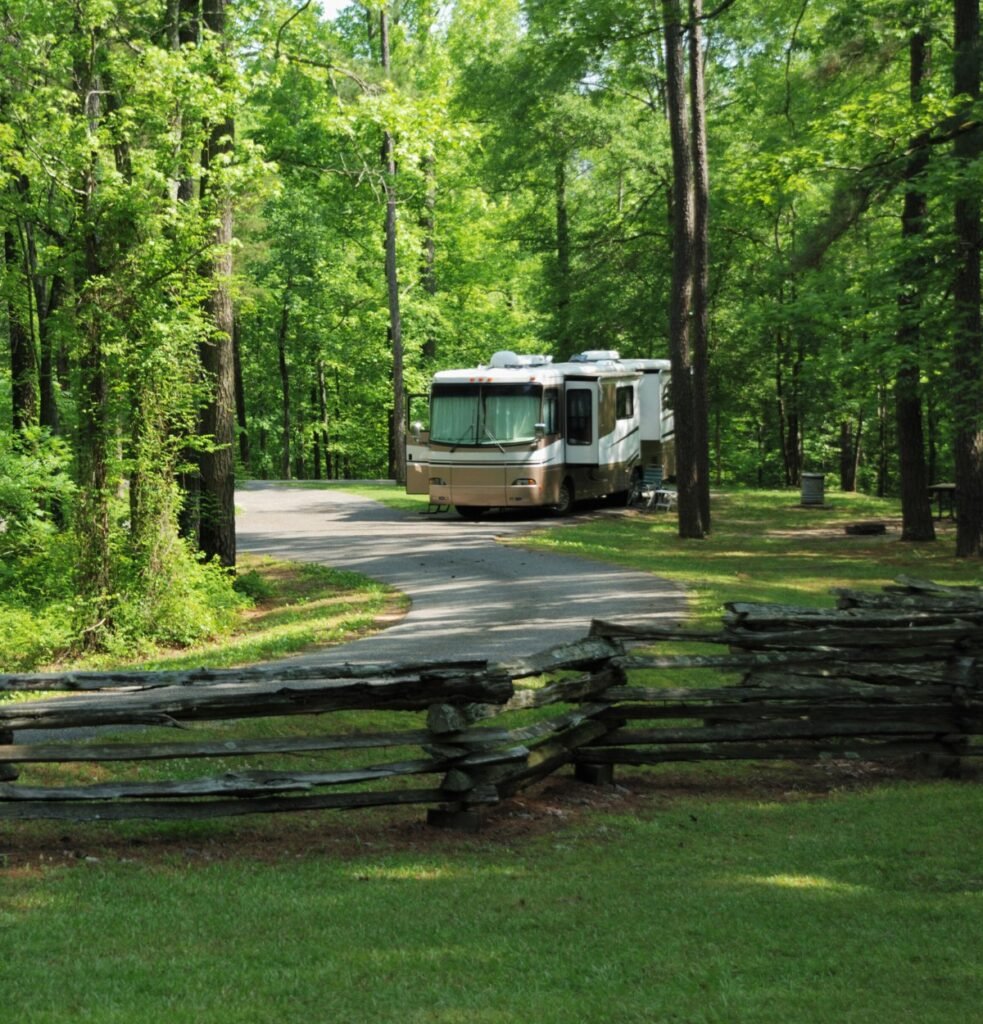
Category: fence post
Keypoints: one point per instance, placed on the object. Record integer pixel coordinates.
(8, 772)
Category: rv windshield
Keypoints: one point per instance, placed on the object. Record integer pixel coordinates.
(485, 414)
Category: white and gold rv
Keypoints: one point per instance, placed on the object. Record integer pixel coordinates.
(524, 431)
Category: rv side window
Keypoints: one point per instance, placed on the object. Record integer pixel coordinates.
(549, 412)
(626, 402)
(579, 425)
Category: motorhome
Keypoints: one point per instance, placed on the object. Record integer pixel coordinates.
(525, 432)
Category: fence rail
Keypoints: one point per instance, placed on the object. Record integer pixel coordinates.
(883, 676)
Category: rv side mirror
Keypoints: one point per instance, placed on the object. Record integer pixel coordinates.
(417, 429)
(540, 431)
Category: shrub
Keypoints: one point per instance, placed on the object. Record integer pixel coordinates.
(182, 601)
(254, 586)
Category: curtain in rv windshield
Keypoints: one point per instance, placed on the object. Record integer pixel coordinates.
(485, 414)
(454, 413)
(511, 412)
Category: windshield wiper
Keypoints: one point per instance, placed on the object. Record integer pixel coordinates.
(495, 440)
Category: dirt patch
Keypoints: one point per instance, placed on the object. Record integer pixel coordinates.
(827, 532)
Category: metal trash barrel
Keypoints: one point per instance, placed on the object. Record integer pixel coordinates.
(813, 489)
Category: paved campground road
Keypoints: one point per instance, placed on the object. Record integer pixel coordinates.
(471, 596)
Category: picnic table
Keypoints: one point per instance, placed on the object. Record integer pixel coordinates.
(944, 495)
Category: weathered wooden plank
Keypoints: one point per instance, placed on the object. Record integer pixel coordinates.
(904, 667)
(776, 729)
(791, 690)
(736, 660)
(95, 752)
(248, 700)
(587, 653)
(759, 616)
(549, 756)
(816, 750)
(913, 675)
(570, 691)
(969, 605)
(759, 712)
(646, 631)
(481, 738)
(914, 583)
(256, 783)
(132, 679)
(173, 810)
(938, 640)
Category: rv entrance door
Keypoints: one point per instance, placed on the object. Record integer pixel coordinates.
(581, 424)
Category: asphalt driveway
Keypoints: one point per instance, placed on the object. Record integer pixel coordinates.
(471, 595)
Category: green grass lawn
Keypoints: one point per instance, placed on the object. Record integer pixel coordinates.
(767, 893)
(863, 906)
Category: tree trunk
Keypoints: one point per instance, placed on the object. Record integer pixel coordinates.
(849, 449)
(23, 365)
(398, 455)
(322, 409)
(315, 436)
(916, 509)
(242, 424)
(94, 566)
(47, 299)
(281, 348)
(968, 334)
(563, 284)
(701, 262)
(184, 29)
(681, 289)
(428, 269)
(217, 537)
(47, 303)
(883, 433)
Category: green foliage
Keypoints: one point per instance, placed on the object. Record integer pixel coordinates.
(254, 586)
(182, 601)
(35, 490)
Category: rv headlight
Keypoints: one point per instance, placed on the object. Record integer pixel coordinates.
(524, 481)
(437, 481)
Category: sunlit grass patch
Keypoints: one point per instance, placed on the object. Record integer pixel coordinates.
(764, 547)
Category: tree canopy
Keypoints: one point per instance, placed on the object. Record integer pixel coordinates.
(238, 235)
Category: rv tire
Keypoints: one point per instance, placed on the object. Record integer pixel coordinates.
(565, 499)
(470, 511)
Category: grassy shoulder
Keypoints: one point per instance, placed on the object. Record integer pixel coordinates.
(291, 608)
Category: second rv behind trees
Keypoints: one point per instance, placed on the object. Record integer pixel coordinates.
(524, 431)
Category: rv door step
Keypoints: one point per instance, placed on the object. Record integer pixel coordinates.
(433, 509)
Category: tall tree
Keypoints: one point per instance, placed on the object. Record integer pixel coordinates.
(217, 537)
(685, 399)
(968, 332)
(916, 510)
(23, 362)
(701, 260)
(398, 450)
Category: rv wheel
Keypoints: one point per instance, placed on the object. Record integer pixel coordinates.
(564, 503)
(470, 511)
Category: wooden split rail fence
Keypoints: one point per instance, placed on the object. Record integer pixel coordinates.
(888, 675)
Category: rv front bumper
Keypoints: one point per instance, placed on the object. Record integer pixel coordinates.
(521, 487)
